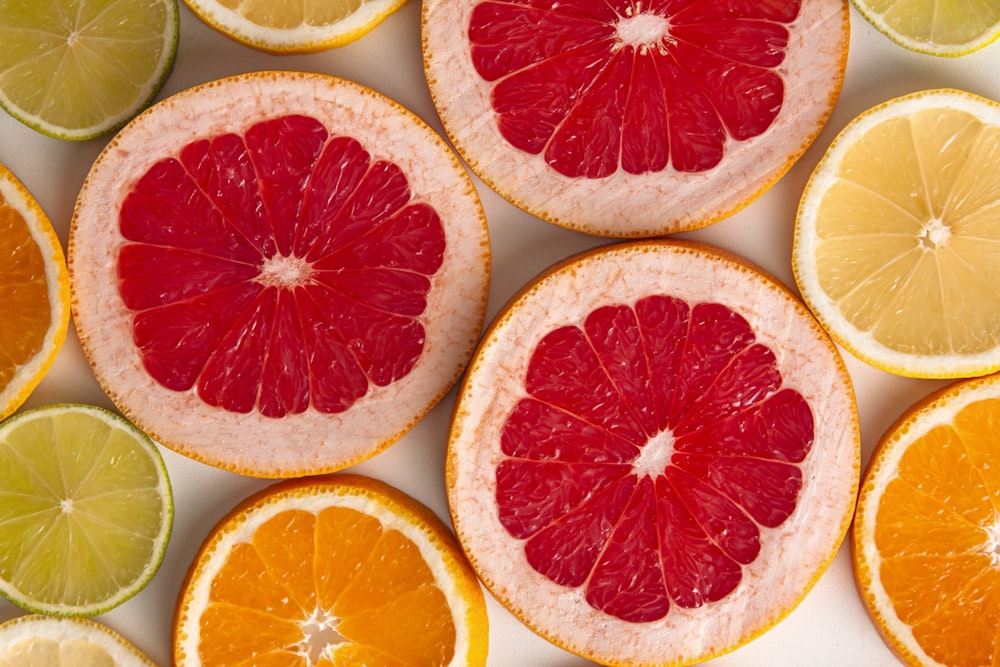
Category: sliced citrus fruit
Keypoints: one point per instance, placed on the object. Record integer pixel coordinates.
(898, 231)
(938, 27)
(34, 291)
(80, 69)
(85, 509)
(304, 26)
(926, 538)
(278, 273)
(336, 570)
(44, 641)
(633, 118)
(655, 439)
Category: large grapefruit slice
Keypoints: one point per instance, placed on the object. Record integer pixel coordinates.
(654, 455)
(630, 118)
(278, 273)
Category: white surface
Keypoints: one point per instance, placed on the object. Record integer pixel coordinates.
(829, 628)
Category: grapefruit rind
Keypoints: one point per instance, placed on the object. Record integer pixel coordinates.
(937, 409)
(85, 640)
(309, 442)
(14, 194)
(301, 39)
(626, 205)
(394, 509)
(860, 343)
(793, 555)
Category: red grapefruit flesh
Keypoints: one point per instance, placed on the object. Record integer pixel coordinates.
(650, 475)
(282, 257)
(627, 109)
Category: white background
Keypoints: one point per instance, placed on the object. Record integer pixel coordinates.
(829, 628)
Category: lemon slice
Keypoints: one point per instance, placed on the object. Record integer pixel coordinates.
(305, 26)
(43, 641)
(85, 509)
(80, 69)
(898, 232)
(939, 27)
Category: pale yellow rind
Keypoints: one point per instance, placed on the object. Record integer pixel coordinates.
(65, 642)
(910, 24)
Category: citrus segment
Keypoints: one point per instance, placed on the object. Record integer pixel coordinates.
(644, 459)
(942, 28)
(927, 529)
(623, 106)
(305, 26)
(77, 70)
(344, 569)
(278, 271)
(34, 288)
(87, 510)
(896, 235)
(44, 641)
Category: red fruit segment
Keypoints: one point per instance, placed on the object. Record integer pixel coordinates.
(305, 267)
(662, 414)
(597, 87)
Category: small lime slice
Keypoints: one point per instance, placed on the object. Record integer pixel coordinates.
(44, 641)
(78, 69)
(85, 509)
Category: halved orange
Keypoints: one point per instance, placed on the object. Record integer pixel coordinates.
(631, 118)
(278, 273)
(654, 455)
(34, 291)
(330, 571)
(926, 538)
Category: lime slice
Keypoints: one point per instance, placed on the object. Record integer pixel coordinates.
(44, 641)
(946, 28)
(85, 510)
(77, 69)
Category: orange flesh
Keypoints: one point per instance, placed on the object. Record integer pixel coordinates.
(362, 592)
(937, 529)
(23, 293)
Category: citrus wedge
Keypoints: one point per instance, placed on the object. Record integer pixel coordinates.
(629, 118)
(303, 26)
(34, 291)
(44, 641)
(654, 455)
(937, 27)
(85, 510)
(898, 232)
(80, 69)
(337, 570)
(278, 273)
(926, 537)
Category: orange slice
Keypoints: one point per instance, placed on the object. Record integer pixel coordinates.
(278, 273)
(926, 538)
(338, 570)
(45, 641)
(34, 291)
(654, 455)
(629, 118)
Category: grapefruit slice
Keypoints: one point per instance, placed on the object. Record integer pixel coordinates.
(654, 455)
(278, 273)
(633, 118)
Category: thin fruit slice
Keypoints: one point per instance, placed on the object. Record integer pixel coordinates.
(78, 69)
(630, 118)
(34, 291)
(304, 26)
(898, 232)
(85, 509)
(44, 641)
(345, 570)
(926, 536)
(278, 273)
(938, 27)
(655, 439)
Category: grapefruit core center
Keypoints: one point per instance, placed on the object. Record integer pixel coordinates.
(643, 30)
(287, 272)
(654, 457)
